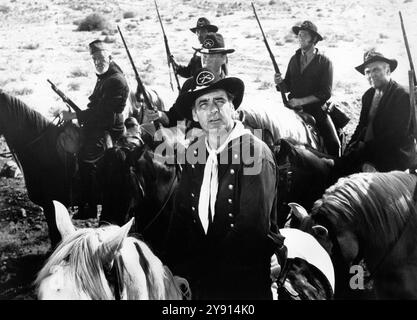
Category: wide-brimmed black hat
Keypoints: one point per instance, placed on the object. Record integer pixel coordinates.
(213, 43)
(204, 23)
(97, 45)
(204, 81)
(373, 56)
(309, 26)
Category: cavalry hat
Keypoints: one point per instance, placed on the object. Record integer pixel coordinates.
(204, 23)
(213, 43)
(309, 26)
(97, 45)
(373, 56)
(203, 82)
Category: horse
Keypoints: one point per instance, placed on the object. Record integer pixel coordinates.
(48, 170)
(303, 176)
(369, 217)
(104, 264)
(137, 183)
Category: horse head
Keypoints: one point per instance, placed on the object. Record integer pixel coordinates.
(103, 263)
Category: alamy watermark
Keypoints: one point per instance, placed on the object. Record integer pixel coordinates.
(175, 149)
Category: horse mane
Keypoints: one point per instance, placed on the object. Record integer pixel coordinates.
(80, 252)
(15, 111)
(376, 205)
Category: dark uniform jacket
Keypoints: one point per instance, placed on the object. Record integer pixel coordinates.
(193, 66)
(316, 79)
(107, 102)
(233, 260)
(392, 146)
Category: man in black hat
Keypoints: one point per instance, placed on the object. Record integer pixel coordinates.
(309, 80)
(384, 139)
(214, 57)
(202, 28)
(101, 122)
(224, 227)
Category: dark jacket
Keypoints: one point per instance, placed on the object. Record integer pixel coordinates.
(193, 66)
(392, 146)
(233, 260)
(316, 80)
(107, 102)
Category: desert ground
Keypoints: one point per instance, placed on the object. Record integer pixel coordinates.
(39, 41)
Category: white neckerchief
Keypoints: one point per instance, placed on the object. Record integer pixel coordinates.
(210, 184)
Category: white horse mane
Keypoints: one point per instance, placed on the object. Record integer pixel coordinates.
(81, 254)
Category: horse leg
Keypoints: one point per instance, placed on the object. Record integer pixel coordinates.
(54, 235)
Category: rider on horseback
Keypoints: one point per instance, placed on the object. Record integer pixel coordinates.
(309, 80)
(101, 122)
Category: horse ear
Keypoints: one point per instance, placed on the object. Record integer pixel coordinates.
(298, 210)
(63, 220)
(320, 231)
(113, 243)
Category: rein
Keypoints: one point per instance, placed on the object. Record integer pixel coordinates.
(170, 193)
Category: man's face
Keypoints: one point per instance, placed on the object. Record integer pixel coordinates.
(214, 111)
(378, 74)
(213, 61)
(101, 61)
(305, 39)
(201, 34)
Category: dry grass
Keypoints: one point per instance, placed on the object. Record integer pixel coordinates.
(129, 14)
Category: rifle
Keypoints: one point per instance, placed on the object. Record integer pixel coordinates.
(170, 57)
(67, 100)
(140, 84)
(276, 68)
(407, 47)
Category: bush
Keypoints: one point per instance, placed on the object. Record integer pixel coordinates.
(77, 73)
(4, 9)
(30, 46)
(93, 22)
(129, 14)
(74, 86)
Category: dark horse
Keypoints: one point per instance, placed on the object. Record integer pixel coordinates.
(33, 140)
(303, 176)
(136, 183)
(370, 217)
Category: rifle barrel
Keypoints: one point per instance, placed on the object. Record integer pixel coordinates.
(407, 47)
(274, 63)
(140, 84)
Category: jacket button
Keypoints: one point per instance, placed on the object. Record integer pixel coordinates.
(193, 208)
(230, 201)
(232, 225)
(192, 166)
(230, 186)
(195, 152)
(235, 156)
(232, 171)
(194, 221)
(192, 195)
(230, 215)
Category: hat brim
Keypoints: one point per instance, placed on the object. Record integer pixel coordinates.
(235, 86)
(392, 63)
(209, 27)
(214, 51)
(296, 30)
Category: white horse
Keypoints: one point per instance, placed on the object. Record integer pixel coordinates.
(104, 264)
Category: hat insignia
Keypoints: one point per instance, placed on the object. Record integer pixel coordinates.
(208, 43)
(204, 78)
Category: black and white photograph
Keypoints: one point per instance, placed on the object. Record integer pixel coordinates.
(208, 151)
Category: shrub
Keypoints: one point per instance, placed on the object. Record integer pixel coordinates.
(76, 73)
(129, 14)
(93, 22)
(4, 9)
(30, 46)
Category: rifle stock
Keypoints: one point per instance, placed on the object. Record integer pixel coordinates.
(67, 100)
(274, 63)
(168, 52)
